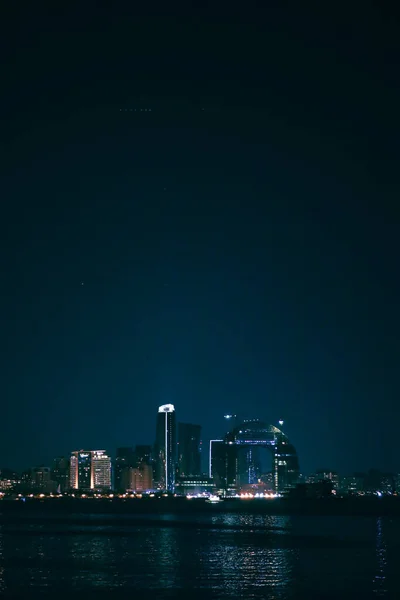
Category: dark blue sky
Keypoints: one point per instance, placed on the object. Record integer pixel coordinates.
(238, 244)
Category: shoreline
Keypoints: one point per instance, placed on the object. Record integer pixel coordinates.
(49, 507)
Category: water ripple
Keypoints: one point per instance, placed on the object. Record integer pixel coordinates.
(217, 556)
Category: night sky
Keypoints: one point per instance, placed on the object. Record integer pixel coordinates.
(235, 249)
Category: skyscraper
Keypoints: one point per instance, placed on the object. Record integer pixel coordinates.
(165, 447)
(189, 450)
(101, 470)
(90, 469)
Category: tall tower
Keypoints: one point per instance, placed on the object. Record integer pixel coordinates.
(165, 447)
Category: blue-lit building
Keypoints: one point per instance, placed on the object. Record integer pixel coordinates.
(235, 460)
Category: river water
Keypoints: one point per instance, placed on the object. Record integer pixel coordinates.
(202, 556)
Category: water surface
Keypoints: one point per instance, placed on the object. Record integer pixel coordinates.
(201, 556)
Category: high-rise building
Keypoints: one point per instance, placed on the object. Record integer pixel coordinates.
(125, 459)
(101, 470)
(223, 462)
(165, 447)
(60, 472)
(90, 469)
(80, 467)
(141, 478)
(189, 450)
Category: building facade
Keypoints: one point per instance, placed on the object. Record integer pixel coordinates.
(60, 473)
(189, 450)
(165, 447)
(125, 459)
(141, 478)
(101, 470)
(143, 454)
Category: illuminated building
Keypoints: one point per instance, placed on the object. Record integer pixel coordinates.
(90, 469)
(194, 485)
(141, 478)
(268, 480)
(101, 470)
(8, 480)
(350, 485)
(235, 461)
(80, 466)
(189, 450)
(7, 485)
(165, 447)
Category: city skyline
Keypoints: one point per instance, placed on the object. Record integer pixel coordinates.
(199, 307)
(132, 456)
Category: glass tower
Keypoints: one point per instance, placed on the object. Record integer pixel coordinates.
(165, 447)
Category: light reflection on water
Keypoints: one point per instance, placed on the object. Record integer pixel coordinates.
(243, 569)
(2, 582)
(222, 556)
(380, 577)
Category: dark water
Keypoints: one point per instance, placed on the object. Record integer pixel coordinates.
(202, 556)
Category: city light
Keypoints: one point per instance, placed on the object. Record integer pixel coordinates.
(88, 473)
(166, 408)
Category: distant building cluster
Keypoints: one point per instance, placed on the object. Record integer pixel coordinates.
(173, 465)
(173, 461)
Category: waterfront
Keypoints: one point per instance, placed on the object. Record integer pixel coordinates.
(23, 507)
(207, 555)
